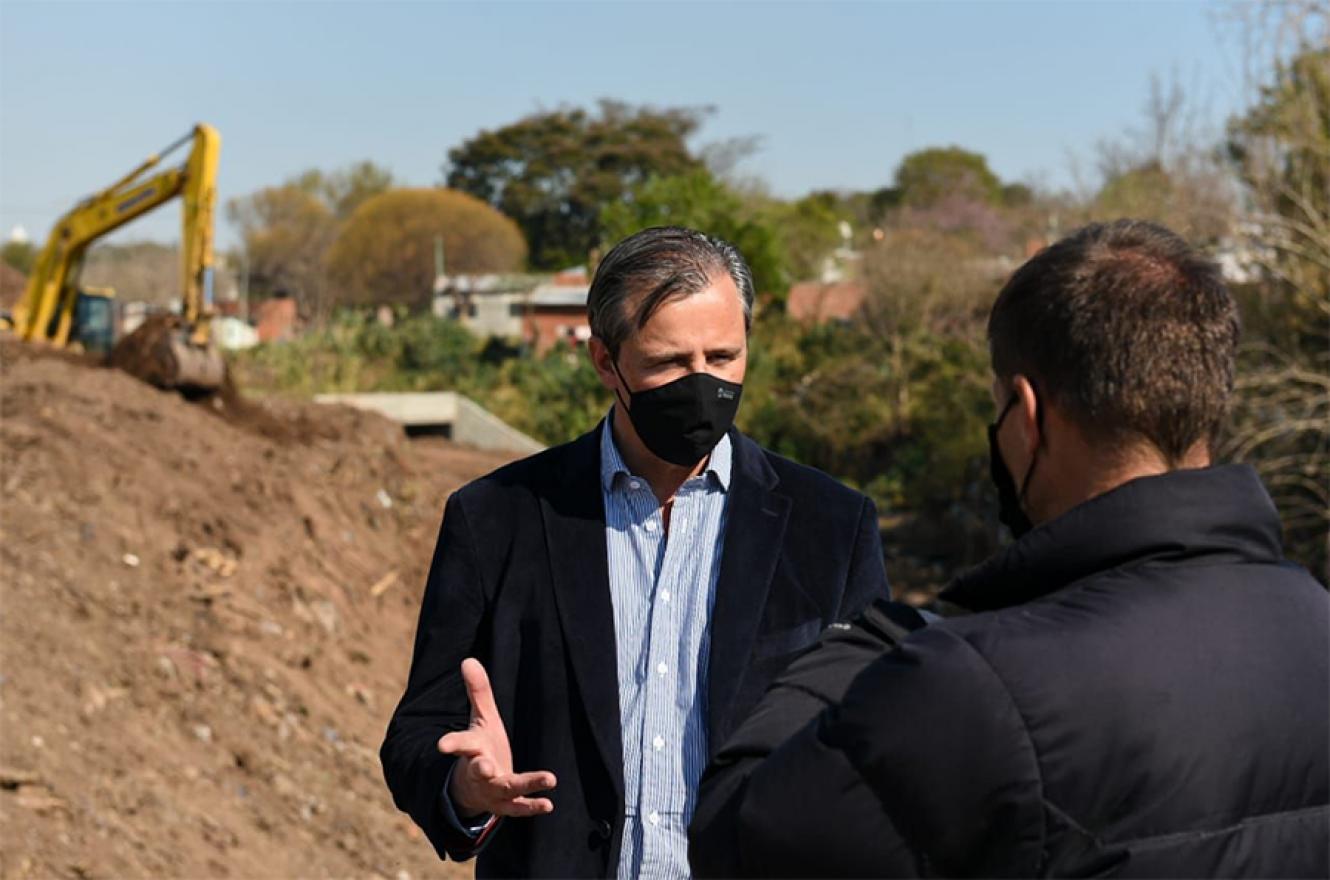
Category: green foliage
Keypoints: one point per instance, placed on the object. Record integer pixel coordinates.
(1281, 149)
(344, 190)
(700, 201)
(809, 231)
(926, 177)
(384, 253)
(554, 171)
(1017, 195)
(19, 255)
(830, 396)
(552, 398)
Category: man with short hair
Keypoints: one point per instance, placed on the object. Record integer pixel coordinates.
(1141, 685)
(599, 616)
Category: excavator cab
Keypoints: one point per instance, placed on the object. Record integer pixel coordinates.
(94, 320)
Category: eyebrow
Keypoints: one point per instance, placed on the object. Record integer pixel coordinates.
(668, 357)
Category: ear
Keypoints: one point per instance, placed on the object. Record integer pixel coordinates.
(1026, 414)
(603, 361)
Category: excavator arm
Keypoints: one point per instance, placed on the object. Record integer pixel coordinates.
(47, 311)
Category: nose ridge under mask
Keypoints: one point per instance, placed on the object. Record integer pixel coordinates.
(682, 421)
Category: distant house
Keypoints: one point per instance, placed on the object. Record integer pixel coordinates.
(815, 302)
(556, 312)
(540, 310)
(487, 305)
(275, 319)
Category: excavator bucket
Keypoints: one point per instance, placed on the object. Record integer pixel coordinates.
(160, 352)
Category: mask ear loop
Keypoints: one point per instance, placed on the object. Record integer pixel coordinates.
(614, 362)
(1039, 422)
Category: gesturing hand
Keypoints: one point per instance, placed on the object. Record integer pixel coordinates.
(483, 780)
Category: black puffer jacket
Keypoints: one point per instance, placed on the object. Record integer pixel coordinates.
(1144, 691)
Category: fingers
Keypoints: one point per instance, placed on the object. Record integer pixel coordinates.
(463, 742)
(478, 690)
(517, 785)
(522, 807)
(480, 790)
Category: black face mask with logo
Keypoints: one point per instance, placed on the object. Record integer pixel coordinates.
(1011, 513)
(681, 422)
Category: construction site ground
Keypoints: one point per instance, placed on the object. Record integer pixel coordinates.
(206, 617)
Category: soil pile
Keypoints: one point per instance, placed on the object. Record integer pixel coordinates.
(206, 616)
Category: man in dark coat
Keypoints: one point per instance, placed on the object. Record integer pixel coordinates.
(1141, 686)
(621, 601)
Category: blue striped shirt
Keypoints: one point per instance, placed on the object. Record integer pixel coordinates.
(662, 592)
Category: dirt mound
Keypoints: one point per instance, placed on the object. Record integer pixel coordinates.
(203, 628)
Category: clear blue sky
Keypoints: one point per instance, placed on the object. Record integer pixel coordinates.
(838, 92)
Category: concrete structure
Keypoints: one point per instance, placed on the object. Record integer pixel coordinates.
(445, 413)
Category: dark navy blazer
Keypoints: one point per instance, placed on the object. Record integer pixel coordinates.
(520, 581)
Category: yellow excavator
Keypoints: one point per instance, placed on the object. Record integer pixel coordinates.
(174, 351)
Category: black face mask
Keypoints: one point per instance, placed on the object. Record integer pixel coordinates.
(1010, 512)
(683, 421)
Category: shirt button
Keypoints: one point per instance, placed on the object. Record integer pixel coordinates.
(664, 595)
(634, 485)
(653, 817)
(661, 668)
(658, 743)
(650, 525)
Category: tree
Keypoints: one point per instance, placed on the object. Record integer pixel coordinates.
(1166, 171)
(926, 177)
(343, 191)
(1281, 149)
(385, 251)
(700, 201)
(809, 230)
(286, 232)
(19, 255)
(554, 171)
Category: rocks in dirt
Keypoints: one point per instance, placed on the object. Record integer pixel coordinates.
(383, 584)
(30, 790)
(12, 778)
(98, 697)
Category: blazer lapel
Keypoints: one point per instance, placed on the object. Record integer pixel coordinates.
(753, 535)
(574, 514)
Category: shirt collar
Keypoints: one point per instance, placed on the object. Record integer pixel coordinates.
(612, 465)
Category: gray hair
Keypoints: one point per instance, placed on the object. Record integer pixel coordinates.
(653, 266)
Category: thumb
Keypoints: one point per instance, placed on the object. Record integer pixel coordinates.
(478, 691)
